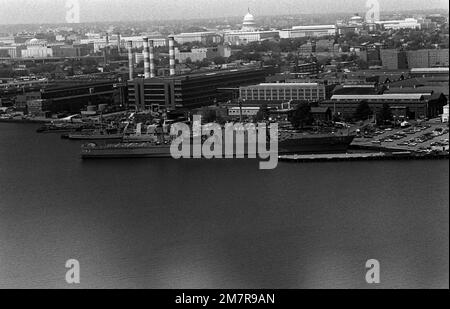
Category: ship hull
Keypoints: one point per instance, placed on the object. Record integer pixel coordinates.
(316, 145)
(95, 137)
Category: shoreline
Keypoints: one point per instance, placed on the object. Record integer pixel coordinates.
(26, 121)
(348, 157)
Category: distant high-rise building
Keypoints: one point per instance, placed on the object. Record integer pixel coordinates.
(428, 58)
(438, 57)
(418, 58)
(393, 59)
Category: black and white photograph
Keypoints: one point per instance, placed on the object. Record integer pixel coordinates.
(224, 151)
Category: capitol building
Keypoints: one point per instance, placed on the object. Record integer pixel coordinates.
(249, 22)
(37, 49)
(248, 33)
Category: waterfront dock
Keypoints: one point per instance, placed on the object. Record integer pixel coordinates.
(377, 156)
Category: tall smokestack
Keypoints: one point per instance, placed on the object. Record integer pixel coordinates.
(106, 50)
(146, 58)
(172, 55)
(152, 58)
(130, 58)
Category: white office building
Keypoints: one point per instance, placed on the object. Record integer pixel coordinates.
(308, 31)
(408, 23)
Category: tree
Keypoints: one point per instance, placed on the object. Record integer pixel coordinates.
(219, 60)
(209, 116)
(301, 116)
(385, 114)
(363, 111)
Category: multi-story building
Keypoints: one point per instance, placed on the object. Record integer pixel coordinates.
(418, 58)
(308, 68)
(7, 40)
(9, 51)
(199, 54)
(245, 37)
(68, 51)
(438, 57)
(23, 99)
(428, 58)
(283, 92)
(37, 49)
(393, 59)
(138, 41)
(415, 105)
(408, 23)
(445, 113)
(190, 91)
(308, 31)
(206, 37)
(72, 97)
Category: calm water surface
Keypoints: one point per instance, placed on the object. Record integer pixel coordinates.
(216, 224)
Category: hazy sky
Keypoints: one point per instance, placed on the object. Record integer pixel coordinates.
(53, 11)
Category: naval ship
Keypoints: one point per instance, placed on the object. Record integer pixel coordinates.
(288, 143)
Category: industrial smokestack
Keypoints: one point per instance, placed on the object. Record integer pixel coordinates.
(119, 39)
(172, 55)
(152, 58)
(146, 58)
(130, 58)
(106, 50)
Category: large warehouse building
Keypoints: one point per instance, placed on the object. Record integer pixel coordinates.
(189, 91)
(413, 105)
(283, 92)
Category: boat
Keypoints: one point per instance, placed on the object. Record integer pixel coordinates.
(293, 143)
(62, 127)
(126, 150)
(143, 138)
(103, 134)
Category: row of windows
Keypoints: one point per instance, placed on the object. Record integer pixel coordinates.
(378, 100)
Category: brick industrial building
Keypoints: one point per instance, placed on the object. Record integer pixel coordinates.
(190, 91)
(413, 105)
(283, 92)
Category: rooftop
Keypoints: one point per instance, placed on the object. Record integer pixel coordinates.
(430, 70)
(426, 90)
(287, 85)
(314, 27)
(210, 73)
(388, 96)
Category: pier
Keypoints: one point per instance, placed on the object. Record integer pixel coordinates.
(379, 156)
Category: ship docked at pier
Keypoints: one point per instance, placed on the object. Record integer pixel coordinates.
(288, 143)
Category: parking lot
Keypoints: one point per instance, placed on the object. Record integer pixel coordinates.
(425, 137)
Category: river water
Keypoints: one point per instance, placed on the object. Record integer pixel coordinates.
(156, 223)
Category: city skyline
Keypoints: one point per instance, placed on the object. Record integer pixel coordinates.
(54, 11)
